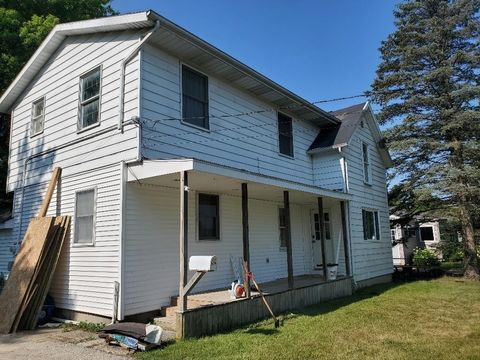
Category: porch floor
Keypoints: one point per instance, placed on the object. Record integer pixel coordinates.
(218, 297)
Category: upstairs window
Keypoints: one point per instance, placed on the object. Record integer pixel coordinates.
(371, 229)
(285, 135)
(90, 84)
(38, 116)
(366, 164)
(208, 217)
(84, 217)
(194, 98)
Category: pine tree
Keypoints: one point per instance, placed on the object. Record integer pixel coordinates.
(428, 87)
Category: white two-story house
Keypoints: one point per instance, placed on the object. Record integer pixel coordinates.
(131, 107)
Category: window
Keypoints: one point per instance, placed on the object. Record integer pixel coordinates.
(194, 98)
(84, 217)
(90, 84)
(371, 229)
(208, 217)
(366, 163)
(282, 226)
(426, 232)
(285, 135)
(326, 222)
(38, 116)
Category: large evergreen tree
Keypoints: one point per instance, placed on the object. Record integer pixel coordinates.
(428, 87)
(23, 26)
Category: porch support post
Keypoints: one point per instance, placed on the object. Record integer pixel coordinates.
(286, 206)
(246, 237)
(322, 236)
(345, 238)
(182, 305)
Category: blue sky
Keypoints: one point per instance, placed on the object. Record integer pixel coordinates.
(319, 49)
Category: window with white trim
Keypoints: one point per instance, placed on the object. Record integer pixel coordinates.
(194, 98)
(84, 217)
(38, 116)
(90, 84)
(371, 228)
(208, 217)
(366, 164)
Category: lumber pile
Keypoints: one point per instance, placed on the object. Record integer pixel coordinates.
(29, 281)
(27, 286)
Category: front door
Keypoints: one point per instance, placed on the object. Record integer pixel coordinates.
(316, 239)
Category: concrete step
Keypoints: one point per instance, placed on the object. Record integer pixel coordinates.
(166, 323)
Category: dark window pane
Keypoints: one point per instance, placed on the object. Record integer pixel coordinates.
(427, 233)
(285, 136)
(208, 217)
(368, 225)
(194, 98)
(89, 114)
(91, 85)
(377, 226)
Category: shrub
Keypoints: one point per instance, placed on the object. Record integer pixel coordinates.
(424, 257)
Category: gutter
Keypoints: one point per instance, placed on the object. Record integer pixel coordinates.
(133, 53)
(245, 69)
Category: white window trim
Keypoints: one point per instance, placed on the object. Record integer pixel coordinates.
(375, 230)
(182, 64)
(368, 163)
(32, 134)
(292, 157)
(197, 218)
(92, 244)
(84, 102)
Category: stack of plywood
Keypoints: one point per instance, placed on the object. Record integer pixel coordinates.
(27, 286)
(29, 281)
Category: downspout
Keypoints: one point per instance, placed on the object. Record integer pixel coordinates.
(133, 53)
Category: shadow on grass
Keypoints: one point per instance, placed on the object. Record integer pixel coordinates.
(261, 331)
(335, 304)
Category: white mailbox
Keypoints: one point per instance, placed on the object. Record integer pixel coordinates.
(202, 263)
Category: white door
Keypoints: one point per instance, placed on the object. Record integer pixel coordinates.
(316, 239)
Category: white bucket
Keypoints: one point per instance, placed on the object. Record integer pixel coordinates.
(332, 272)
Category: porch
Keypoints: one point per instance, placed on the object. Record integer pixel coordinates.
(215, 311)
(270, 224)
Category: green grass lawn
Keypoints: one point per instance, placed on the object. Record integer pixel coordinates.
(437, 319)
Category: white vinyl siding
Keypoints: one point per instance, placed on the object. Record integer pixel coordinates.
(38, 117)
(84, 217)
(247, 142)
(151, 244)
(58, 81)
(85, 275)
(370, 258)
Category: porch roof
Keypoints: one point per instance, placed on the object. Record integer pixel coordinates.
(224, 179)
